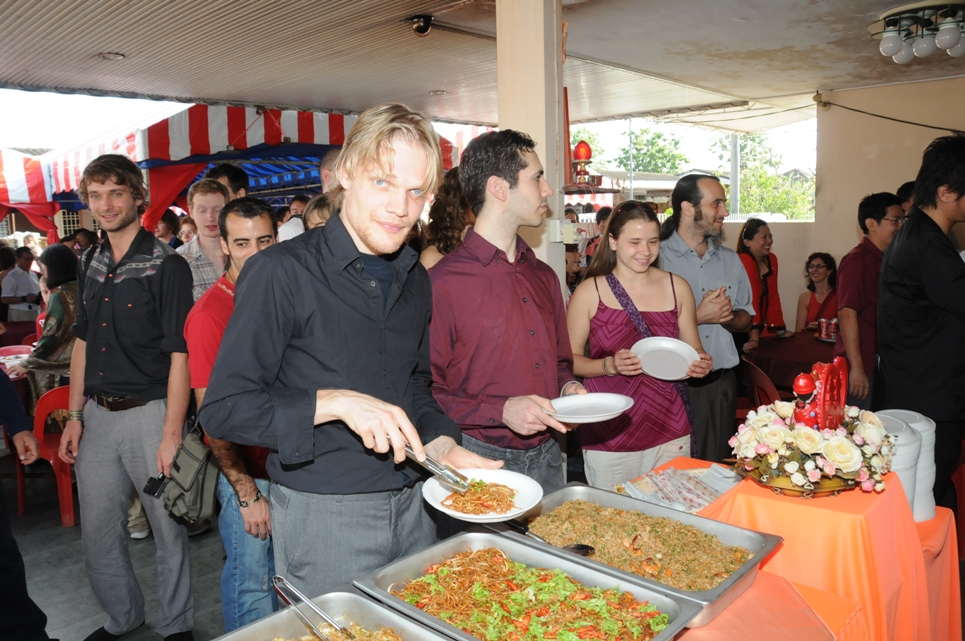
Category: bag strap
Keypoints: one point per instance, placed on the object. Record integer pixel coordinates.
(638, 321)
(824, 305)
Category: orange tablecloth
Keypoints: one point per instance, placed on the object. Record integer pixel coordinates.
(777, 610)
(864, 547)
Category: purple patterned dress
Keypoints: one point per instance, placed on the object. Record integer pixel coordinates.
(658, 414)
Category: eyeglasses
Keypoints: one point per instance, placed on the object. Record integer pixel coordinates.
(817, 266)
(898, 222)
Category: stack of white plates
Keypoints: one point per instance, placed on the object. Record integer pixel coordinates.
(924, 506)
(907, 451)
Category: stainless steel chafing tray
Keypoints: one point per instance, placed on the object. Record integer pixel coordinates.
(711, 601)
(346, 605)
(395, 575)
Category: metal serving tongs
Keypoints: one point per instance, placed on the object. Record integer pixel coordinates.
(291, 595)
(446, 474)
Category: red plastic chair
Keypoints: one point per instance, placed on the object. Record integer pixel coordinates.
(56, 399)
(40, 324)
(29, 340)
(759, 386)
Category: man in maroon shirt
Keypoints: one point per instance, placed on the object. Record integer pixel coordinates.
(500, 348)
(247, 226)
(880, 215)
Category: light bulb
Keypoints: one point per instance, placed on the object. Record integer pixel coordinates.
(949, 35)
(906, 55)
(890, 42)
(925, 45)
(958, 50)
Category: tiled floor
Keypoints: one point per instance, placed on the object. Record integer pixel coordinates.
(57, 580)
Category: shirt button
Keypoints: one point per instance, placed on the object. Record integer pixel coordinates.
(532, 333)
(491, 421)
(525, 301)
(103, 324)
(111, 275)
(103, 349)
(537, 365)
(372, 283)
(100, 373)
(106, 298)
(497, 261)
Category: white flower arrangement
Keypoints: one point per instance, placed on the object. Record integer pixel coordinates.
(769, 444)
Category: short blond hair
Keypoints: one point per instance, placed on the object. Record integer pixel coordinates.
(207, 186)
(317, 211)
(369, 143)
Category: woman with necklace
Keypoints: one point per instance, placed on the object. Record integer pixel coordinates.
(624, 298)
(754, 250)
(820, 301)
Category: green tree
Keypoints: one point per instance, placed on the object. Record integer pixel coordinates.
(576, 135)
(653, 151)
(762, 188)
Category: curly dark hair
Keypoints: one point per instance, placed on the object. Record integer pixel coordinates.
(449, 215)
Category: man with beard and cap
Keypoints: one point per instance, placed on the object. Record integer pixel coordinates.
(691, 247)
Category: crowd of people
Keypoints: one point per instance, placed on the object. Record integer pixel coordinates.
(314, 343)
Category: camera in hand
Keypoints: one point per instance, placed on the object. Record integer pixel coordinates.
(155, 486)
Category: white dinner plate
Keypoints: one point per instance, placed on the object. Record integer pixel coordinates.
(665, 358)
(590, 408)
(827, 340)
(528, 494)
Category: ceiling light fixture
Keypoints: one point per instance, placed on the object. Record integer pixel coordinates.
(918, 30)
(111, 55)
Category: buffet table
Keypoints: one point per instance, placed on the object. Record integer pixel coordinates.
(865, 548)
(782, 359)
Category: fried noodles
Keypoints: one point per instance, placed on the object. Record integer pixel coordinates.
(482, 498)
(380, 633)
(657, 548)
(492, 597)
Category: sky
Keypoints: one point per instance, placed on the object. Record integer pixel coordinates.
(49, 121)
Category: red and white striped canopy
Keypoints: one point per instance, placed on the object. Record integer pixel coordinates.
(203, 130)
(23, 179)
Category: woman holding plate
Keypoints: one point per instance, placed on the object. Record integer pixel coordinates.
(626, 298)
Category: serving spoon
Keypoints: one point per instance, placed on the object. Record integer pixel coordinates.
(293, 597)
(576, 548)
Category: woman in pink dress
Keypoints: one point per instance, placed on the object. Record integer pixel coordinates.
(625, 298)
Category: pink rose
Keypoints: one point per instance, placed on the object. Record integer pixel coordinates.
(827, 433)
(814, 476)
(868, 485)
(820, 461)
(741, 429)
(760, 448)
(733, 441)
(841, 431)
(857, 439)
(828, 468)
(862, 475)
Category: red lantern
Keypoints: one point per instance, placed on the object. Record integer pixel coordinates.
(582, 151)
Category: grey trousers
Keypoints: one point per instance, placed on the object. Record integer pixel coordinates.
(543, 464)
(715, 416)
(322, 540)
(118, 454)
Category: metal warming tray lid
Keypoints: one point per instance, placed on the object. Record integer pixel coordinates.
(397, 574)
(346, 604)
(712, 601)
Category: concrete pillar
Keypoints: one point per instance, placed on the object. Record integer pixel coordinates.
(530, 83)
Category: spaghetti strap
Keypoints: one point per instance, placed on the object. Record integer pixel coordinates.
(674, 290)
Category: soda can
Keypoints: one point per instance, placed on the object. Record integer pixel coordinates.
(824, 330)
(833, 329)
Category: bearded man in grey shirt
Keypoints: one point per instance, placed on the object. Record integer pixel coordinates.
(691, 247)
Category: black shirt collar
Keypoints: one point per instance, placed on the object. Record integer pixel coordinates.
(142, 244)
(342, 246)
